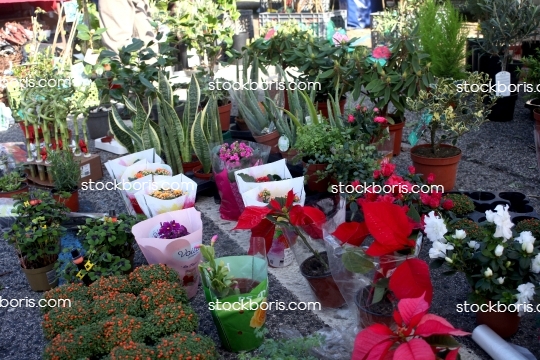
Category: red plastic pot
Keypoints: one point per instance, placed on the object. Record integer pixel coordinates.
(72, 202)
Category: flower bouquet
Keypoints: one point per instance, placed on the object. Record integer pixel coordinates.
(236, 289)
(501, 266)
(172, 238)
(250, 178)
(167, 193)
(226, 159)
(117, 167)
(139, 176)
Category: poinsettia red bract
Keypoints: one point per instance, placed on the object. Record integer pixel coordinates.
(353, 233)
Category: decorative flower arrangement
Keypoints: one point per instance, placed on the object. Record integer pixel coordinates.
(142, 173)
(499, 265)
(265, 196)
(145, 321)
(172, 230)
(167, 194)
(233, 154)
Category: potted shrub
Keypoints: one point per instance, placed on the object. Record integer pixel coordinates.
(507, 22)
(302, 225)
(448, 112)
(530, 74)
(500, 265)
(66, 173)
(230, 280)
(13, 183)
(36, 237)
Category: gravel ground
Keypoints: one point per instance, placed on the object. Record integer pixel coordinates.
(499, 157)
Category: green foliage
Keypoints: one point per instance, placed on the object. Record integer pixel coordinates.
(185, 345)
(400, 22)
(206, 132)
(216, 276)
(441, 33)
(531, 74)
(172, 318)
(286, 349)
(473, 230)
(317, 141)
(11, 181)
(66, 171)
(36, 233)
(463, 204)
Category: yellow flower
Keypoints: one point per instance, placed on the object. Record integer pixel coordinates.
(26, 203)
(259, 317)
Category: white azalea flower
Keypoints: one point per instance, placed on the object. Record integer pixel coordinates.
(474, 245)
(535, 264)
(526, 293)
(435, 228)
(448, 260)
(500, 280)
(503, 221)
(529, 248)
(499, 250)
(490, 216)
(488, 273)
(525, 237)
(460, 234)
(438, 250)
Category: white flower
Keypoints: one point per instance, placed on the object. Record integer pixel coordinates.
(490, 216)
(473, 245)
(448, 260)
(525, 237)
(526, 293)
(460, 234)
(435, 228)
(529, 248)
(438, 250)
(503, 221)
(488, 273)
(500, 280)
(535, 264)
(499, 250)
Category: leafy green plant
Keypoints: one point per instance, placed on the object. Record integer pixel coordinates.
(473, 230)
(206, 132)
(66, 171)
(441, 34)
(11, 181)
(530, 73)
(286, 349)
(216, 276)
(316, 142)
(36, 233)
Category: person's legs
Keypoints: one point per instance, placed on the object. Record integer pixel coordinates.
(352, 14)
(118, 17)
(358, 12)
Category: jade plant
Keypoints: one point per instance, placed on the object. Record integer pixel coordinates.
(216, 275)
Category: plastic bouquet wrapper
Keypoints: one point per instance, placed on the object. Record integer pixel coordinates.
(117, 167)
(181, 254)
(241, 330)
(166, 194)
(258, 174)
(139, 176)
(263, 193)
(225, 163)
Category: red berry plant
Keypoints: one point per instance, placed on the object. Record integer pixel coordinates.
(143, 316)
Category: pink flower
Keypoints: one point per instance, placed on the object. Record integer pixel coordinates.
(375, 109)
(387, 169)
(364, 109)
(376, 174)
(339, 38)
(358, 107)
(412, 170)
(350, 119)
(380, 119)
(431, 178)
(381, 52)
(270, 34)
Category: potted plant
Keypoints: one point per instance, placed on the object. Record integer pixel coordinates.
(218, 88)
(233, 279)
(449, 111)
(500, 266)
(507, 22)
(530, 74)
(66, 173)
(532, 225)
(302, 225)
(462, 205)
(36, 237)
(13, 183)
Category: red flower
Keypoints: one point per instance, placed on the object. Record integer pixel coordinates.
(431, 178)
(448, 204)
(262, 179)
(434, 202)
(376, 174)
(412, 170)
(83, 147)
(387, 168)
(381, 52)
(353, 233)
(380, 120)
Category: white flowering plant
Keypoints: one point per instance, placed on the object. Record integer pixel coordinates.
(500, 264)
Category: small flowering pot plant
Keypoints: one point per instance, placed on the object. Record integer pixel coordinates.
(142, 173)
(261, 179)
(499, 264)
(167, 194)
(235, 156)
(172, 230)
(369, 121)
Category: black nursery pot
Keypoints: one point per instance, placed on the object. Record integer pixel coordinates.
(98, 124)
(504, 107)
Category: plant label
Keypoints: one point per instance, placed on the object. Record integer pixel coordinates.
(90, 57)
(70, 9)
(420, 127)
(502, 79)
(85, 171)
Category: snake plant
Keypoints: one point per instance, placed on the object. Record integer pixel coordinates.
(205, 133)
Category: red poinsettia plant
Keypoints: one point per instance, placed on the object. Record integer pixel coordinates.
(302, 220)
(418, 336)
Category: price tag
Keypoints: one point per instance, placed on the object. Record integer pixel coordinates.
(420, 127)
(502, 79)
(85, 170)
(90, 57)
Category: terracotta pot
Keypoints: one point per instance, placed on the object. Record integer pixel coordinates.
(197, 171)
(505, 324)
(444, 169)
(367, 316)
(270, 140)
(313, 182)
(72, 202)
(323, 108)
(397, 129)
(324, 287)
(289, 156)
(42, 279)
(189, 166)
(241, 124)
(9, 194)
(225, 116)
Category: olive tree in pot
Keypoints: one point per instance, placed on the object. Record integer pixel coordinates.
(448, 112)
(36, 237)
(66, 173)
(508, 22)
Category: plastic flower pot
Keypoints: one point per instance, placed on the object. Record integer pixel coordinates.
(370, 314)
(42, 279)
(505, 324)
(270, 140)
(189, 166)
(322, 107)
(9, 194)
(314, 182)
(323, 285)
(225, 116)
(197, 172)
(98, 124)
(444, 169)
(72, 202)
